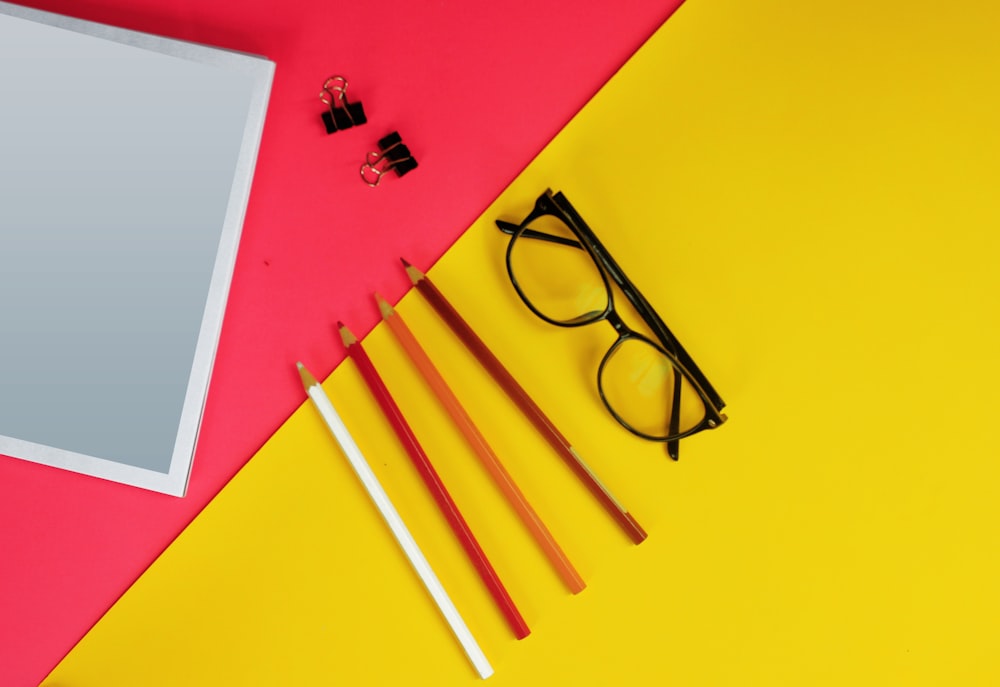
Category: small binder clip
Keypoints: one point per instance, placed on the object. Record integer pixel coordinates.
(391, 155)
(342, 114)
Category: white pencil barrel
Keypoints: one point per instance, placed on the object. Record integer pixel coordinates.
(399, 530)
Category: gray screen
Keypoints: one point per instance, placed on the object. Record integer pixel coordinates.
(117, 165)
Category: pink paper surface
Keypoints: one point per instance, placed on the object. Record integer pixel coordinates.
(475, 89)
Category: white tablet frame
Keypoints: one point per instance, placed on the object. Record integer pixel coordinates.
(260, 73)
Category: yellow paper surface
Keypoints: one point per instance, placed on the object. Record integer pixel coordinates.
(807, 193)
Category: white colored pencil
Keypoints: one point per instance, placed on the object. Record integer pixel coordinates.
(395, 523)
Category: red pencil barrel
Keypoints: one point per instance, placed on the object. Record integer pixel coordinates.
(438, 491)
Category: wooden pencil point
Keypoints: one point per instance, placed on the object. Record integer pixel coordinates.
(307, 378)
(345, 335)
(412, 272)
(384, 307)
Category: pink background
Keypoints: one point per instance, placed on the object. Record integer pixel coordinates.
(475, 88)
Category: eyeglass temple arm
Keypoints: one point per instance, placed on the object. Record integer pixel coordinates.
(511, 228)
(673, 447)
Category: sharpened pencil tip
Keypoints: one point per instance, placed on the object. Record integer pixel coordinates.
(384, 307)
(345, 335)
(308, 380)
(412, 272)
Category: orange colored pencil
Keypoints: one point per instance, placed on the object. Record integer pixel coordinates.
(516, 392)
(483, 450)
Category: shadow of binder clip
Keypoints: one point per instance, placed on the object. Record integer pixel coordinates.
(391, 155)
(342, 113)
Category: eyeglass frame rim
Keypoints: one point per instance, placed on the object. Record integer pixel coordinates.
(600, 254)
(607, 267)
(711, 419)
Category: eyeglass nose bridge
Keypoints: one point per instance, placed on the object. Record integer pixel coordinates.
(612, 317)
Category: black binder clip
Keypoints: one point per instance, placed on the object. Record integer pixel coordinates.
(342, 114)
(391, 155)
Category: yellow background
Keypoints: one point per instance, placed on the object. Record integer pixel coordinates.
(807, 192)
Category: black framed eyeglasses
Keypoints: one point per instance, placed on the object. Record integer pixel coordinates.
(563, 273)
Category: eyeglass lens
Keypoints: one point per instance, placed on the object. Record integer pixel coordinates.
(561, 282)
(637, 382)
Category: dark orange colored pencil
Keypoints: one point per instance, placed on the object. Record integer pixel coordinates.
(434, 484)
(483, 450)
(517, 393)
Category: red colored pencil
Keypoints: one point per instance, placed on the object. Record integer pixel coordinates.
(434, 483)
(517, 393)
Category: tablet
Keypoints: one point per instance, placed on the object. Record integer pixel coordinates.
(125, 167)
